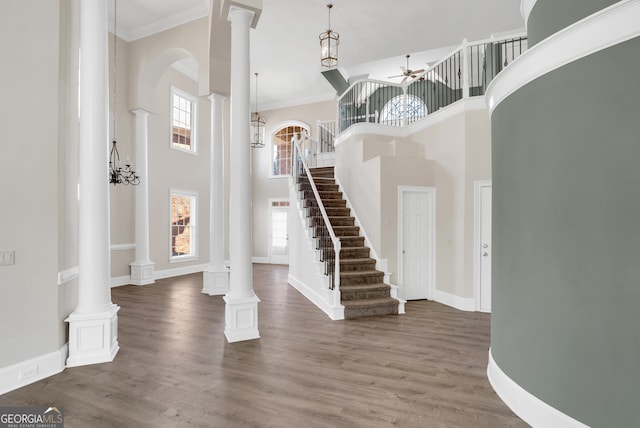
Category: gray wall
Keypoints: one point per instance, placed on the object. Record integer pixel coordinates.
(550, 16)
(565, 222)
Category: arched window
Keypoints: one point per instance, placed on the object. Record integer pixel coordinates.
(281, 149)
(394, 110)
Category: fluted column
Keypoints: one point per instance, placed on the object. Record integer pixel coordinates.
(142, 267)
(216, 278)
(241, 310)
(93, 325)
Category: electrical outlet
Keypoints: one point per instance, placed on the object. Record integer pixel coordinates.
(28, 373)
(7, 258)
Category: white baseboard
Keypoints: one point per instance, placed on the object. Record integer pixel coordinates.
(169, 273)
(264, 260)
(317, 299)
(461, 303)
(119, 281)
(30, 371)
(529, 408)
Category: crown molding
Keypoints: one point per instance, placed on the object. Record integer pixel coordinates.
(187, 15)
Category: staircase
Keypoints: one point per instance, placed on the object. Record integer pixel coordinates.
(362, 291)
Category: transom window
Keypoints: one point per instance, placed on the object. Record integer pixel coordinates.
(281, 148)
(394, 110)
(183, 120)
(183, 225)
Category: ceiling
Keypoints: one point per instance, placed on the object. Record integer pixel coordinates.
(375, 36)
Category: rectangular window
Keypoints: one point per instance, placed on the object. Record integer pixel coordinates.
(183, 120)
(183, 225)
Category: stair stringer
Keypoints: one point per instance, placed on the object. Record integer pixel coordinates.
(306, 274)
(381, 264)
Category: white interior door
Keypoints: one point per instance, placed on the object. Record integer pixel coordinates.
(416, 242)
(483, 247)
(279, 235)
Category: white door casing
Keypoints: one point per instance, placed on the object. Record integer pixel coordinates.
(482, 245)
(278, 232)
(416, 242)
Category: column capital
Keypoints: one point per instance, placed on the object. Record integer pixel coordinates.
(140, 111)
(215, 97)
(250, 8)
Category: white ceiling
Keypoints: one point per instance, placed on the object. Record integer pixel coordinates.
(375, 35)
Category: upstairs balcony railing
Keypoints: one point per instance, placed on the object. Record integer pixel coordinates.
(464, 73)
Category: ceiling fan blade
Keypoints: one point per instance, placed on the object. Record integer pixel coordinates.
(393, 77)
(417, 71)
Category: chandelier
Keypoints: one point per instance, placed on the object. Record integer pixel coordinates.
(329, 41)
(257, 124)
(118, 174)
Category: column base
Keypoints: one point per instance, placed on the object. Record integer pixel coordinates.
(142, 273)
(215, 282)
(93, 337)
(241, 318)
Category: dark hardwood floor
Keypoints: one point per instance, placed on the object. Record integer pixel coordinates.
(426, 368)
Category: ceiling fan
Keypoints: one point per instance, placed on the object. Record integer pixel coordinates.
(407, 72)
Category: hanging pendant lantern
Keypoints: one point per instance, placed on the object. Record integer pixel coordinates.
(329, 41)
(257, 125)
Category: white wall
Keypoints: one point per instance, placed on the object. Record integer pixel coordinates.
(174, 169)
(266, 187)
(144, 79)
(122, 197)
(30, 322)
(449, 154)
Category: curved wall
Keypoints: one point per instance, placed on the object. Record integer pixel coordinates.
(566, 206)
(549, 16)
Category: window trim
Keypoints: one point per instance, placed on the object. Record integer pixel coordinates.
(276, 129)
(193, 223)
(194, 120)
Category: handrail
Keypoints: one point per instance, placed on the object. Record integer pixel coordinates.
(365, 80)
(337, 246)
(498, 39)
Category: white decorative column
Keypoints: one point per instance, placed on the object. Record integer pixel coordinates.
(93, 325)
(142, 267)
(216, 278)
(241, 310)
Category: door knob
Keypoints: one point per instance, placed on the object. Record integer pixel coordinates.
(485, 245)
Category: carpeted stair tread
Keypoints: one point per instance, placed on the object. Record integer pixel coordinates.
(364, 303)
(324, 180)
(370, 307)
(354, 252)
(330, 194)
(366, 260)
(361, 277)
(364, 287)
(338, 211)
(352, 231)
(341, 221)
(362, 273)
(357, 264)
(338, 203)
